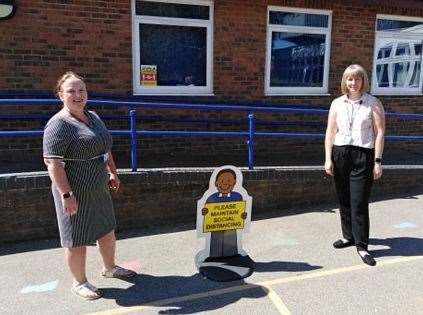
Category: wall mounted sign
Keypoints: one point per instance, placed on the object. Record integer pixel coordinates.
(149, 75)
(7, 9)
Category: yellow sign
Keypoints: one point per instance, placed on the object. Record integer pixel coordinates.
(148, 75)
(222, 216)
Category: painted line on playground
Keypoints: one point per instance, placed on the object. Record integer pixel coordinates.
(324, 273)
(265, 285)
(276, 299)
(186, 298)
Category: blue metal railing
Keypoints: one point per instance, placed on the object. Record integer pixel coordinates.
(249, 135)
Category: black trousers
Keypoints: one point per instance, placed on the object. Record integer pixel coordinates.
(353, 174)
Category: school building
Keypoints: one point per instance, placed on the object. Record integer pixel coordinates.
(240, 52)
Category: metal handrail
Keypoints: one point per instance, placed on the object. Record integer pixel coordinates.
(180, 105)
(250, 135)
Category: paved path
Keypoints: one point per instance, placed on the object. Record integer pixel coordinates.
(297, 270)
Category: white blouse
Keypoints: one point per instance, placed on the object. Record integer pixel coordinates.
(354, 120)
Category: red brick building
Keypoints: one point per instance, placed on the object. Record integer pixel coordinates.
(235, 51)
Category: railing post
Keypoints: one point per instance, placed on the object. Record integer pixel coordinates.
(133, 128)
(251, 130)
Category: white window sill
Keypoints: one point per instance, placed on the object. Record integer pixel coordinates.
(396, 94)
(297, 94)
(171, 94)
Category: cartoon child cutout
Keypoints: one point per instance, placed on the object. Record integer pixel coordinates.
(225, 188)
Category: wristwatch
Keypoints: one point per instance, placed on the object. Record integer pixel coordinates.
(378, 160)
(67, 195)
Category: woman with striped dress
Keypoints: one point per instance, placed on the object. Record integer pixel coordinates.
(77, 153)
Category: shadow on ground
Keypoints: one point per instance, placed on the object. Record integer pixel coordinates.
(397, 246)
(171, 290)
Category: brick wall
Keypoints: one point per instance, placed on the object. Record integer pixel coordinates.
(47, 37)
(169, 196)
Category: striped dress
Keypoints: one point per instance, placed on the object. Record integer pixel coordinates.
(81, 147)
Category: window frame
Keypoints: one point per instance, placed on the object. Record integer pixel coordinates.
(383, 35)
(138, 89)
(269, 90)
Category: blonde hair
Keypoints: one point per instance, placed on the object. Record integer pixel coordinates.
(63, 78)
(355, 71)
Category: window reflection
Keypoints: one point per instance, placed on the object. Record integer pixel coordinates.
(174, 10)
(399, 26)
(398, 64)
(179, 52)
(298, 19)
(297, 59)
(402, 49)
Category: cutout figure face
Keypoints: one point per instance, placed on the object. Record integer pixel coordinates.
(225, 182)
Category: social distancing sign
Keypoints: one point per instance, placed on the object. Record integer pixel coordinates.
(222, 216)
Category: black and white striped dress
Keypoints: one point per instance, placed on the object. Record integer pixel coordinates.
(81, 147)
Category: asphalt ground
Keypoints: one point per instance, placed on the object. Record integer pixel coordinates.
(297, 270)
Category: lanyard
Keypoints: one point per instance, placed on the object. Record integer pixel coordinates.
(352, 114)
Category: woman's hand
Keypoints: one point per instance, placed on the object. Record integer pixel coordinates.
(70, 206)
(114, 182)
(377, 171)
(329, 167)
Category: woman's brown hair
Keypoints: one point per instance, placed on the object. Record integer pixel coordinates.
(63, 78)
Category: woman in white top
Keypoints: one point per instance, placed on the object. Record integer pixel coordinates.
(353, 155)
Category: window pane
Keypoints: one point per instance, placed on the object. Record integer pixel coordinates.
(399, 26)
(403, 49)
(418, 49)
(179, 52)
(416, 60)
(382, 75)
(415, 78)
(298, 19)
(384, 52)
(400, 73)
(297, 60)
(172, 10)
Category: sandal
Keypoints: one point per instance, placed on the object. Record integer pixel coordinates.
(87, 291)
(119, 273)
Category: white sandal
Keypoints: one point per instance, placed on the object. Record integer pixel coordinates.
(119, 273)
(87, 291)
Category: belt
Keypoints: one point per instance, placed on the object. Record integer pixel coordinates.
(104, 157)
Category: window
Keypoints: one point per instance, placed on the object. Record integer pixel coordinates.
(397, 65)
(298, 49)
(172, 47)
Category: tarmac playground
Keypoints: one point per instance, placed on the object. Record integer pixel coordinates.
(297, 271)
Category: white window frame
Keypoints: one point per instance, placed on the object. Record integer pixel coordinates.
(268, 90)
(138, 89)
(386, 35)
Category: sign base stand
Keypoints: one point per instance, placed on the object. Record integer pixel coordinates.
(224, 269)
